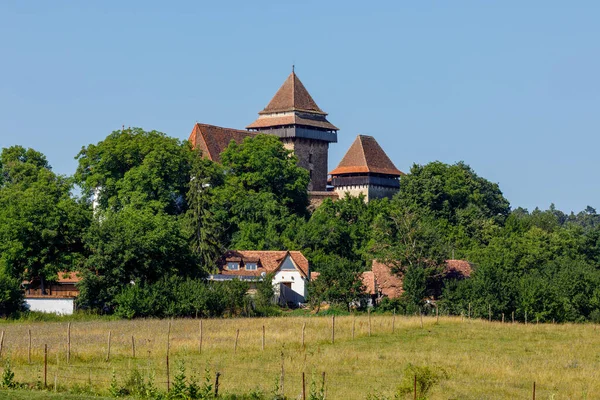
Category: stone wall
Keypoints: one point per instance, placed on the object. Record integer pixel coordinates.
(312, 156)
(369, 191)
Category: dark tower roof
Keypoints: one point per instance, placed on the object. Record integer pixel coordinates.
(292, 105)
(366, 156)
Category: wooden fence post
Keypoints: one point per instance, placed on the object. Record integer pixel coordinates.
(469, 315)
(69, 343)
(332, 329)
(437, 314)
(29, 347)
(533, 390)
(415, 387)
(303, 387)
(237, 335)
(353, 325)
(1, 343)
(263, 338)
(45, 365)
(200, 344)
(303, 329)
(323, 385)
(421, 313)
(394, 321)
(281, 379)
(168, 349)
(369, 314)
(489, 313)
(502, 317)
(132, 346)
(513, 317)
(217, 384)
(525, 317)
(108, 349)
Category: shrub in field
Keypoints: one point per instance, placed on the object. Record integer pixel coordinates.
(426, 378)
(8, 377)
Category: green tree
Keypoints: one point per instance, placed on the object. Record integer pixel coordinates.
(339, 282)
(132, 166)
(139, 245)
(41, 224)
(468, 207)
(203, 228)
(263, 197)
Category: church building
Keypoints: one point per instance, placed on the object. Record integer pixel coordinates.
(303, 127)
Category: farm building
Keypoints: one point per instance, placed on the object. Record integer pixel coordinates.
(57, 297)
(381, 282)
(290, 268)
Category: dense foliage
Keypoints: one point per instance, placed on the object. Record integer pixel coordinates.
(154, 216)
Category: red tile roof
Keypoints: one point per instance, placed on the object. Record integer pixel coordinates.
(213, 140)
(458, 269)
(292, 96)
(268, 261)
(68, 277)
(388, 283)
(368, 281)
(366, 156)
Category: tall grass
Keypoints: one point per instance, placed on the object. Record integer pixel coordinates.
(478, 359)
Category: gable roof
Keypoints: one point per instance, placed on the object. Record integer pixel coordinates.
(268, 261)
(213, 140)
(368, 281)
(388, 283)
(292, 96)
(366, 156)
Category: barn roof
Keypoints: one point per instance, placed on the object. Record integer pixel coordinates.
(388, 283)
(366, 156)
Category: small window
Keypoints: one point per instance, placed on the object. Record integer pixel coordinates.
(251, 266)
(310, 157)
(233, 266)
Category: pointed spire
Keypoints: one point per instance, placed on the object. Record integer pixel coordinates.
(292, 96)
(366, 156)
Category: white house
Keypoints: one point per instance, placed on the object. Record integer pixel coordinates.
(290, 268)
(56, 297)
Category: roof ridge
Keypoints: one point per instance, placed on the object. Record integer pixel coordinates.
(362, 150)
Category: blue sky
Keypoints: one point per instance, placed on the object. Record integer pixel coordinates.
(510, 87)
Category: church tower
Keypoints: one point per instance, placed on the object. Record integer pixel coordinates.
(302, 126)
(367, 170)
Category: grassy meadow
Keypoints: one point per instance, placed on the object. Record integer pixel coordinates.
(474, 359)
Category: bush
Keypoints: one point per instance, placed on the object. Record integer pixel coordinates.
(178, 297)
(426, 378)
(11, 295)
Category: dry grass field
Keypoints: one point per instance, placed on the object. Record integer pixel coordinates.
(481, 360)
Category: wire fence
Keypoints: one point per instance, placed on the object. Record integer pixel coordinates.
(265, 355)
